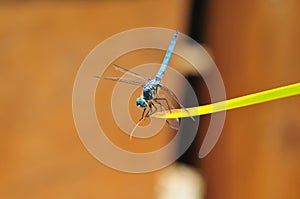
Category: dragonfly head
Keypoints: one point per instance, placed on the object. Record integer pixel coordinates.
(141, 103)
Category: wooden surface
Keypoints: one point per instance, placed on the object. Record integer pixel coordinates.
(42, 45)
(256, 47)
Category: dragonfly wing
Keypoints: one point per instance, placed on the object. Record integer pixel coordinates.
(173, 123)
(173, 96)
(124, 70)
(123, 80)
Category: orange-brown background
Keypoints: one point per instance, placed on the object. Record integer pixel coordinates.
(42, 44)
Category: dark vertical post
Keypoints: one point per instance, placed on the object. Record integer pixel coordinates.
(197, 31)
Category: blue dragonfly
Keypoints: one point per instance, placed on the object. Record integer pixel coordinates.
(150, 97)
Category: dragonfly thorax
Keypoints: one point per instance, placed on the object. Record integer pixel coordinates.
(150, 90)
(149, 93)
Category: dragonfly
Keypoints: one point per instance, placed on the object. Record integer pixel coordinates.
(150, 97)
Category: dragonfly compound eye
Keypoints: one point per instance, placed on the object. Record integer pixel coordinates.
(141, 103)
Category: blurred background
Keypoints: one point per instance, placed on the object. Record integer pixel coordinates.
(255, 45)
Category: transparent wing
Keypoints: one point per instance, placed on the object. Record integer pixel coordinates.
(170, 93)
(123, 80)
(124, 70)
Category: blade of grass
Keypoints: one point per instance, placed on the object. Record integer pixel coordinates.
(247, 100)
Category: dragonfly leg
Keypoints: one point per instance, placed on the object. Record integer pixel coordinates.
(151, 111)
(160, 105)
(143, 114)
(164, 99)
(150, 108)
(171, 124)
(154, 108)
